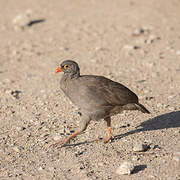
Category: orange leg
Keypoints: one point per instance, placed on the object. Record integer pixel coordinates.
(83, 125)
(66, 140)
(109, 134)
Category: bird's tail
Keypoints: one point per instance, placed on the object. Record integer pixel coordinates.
(142, 108)
(136, 106)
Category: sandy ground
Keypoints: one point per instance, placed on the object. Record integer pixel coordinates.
(133, 42)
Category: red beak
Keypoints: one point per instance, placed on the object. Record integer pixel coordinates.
(59, 69)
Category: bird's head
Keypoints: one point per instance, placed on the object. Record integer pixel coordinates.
(68, 67)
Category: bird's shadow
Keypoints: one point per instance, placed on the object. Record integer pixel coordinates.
(164, 121)
(76, 144)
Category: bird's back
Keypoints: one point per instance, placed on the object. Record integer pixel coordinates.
(91, 92)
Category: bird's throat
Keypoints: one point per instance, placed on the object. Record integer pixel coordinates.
(68, 76)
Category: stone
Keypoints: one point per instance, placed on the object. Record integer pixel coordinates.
(152, 38)
(172, 108)
(16, 149)
(140, 147)
(159, 105)
(125, 168)
(138, 31)
(176, 156)
(22, 20)
(130, 47)
(178, 52)
(57, 138)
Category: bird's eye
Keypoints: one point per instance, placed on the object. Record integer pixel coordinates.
(65, 66)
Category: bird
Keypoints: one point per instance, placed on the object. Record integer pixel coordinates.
(97, 97)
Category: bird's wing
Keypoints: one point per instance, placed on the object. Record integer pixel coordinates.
(108, 92)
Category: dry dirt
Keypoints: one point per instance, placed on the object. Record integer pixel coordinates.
(134, 42)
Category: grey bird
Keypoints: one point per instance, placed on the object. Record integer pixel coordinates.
(96, 96)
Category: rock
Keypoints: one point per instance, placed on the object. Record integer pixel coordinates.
(178, 52)
(151, 39)
(135, 158)
(138, 31)
(57, 138)
(100, 164)
(125, 168)
(61, 130)
(22, 20)
(140, 41)
(25, 20)
(155, 146)
(20, 128)
(79, 153)
(140, 147)
(172, 108)
(16, 149)
(130, 47)
(15, 94)
(40, 168)
(171, 97)
(159, 105)
(8, 81)
(148, 98)
(176, 156)
(15, 52)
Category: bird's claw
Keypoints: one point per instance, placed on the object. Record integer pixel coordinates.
(106, 140)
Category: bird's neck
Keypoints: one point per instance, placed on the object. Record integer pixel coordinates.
(68, 76)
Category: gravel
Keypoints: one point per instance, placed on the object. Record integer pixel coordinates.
(93, 33)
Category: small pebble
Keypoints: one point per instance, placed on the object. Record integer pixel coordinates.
(16, 94)
(178, 52)
(172, 108)
(155, 146)
(101, 164)
(130, 47)
(40, 168)
(140, 41)
(151, 39)
(138, 31)
(57, 138)
(125, 168)
(139, 147)
(176, 156)
(16, 149)
(8, 81)
(149, 98)
(20, 128)
(171, 97)
(159, 105)
(61, 130)
(21, 20)
(135, 158)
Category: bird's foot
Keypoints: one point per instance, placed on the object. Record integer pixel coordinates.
(66, 140)
(107, 139)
